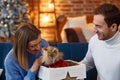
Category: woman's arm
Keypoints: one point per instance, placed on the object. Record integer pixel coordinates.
(13, 71)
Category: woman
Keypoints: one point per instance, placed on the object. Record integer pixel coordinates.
(23, 61)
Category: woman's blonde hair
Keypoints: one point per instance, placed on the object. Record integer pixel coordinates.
(26, 33)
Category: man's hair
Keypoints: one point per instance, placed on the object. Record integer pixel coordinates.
(26, 33)
(110, 12)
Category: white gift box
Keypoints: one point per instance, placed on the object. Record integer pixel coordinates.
(77, 71)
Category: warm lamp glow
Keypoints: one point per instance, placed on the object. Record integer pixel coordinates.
(45, 19)
(51, 6)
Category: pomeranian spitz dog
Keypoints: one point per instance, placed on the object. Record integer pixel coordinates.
(51, 57)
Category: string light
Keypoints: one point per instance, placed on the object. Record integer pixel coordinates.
(5, 25)
(2, 22)
(8, 17)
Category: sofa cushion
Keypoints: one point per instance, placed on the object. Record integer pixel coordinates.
(4, 49)
(75, 35)
(73, 51)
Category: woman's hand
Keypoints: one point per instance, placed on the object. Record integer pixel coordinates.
(36, 64)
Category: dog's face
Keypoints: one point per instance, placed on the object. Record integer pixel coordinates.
(51, 55)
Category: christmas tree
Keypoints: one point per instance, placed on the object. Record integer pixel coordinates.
(12, 13)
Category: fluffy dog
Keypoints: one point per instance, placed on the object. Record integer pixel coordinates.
(52, 57)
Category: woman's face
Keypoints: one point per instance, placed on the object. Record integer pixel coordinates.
(34, 46)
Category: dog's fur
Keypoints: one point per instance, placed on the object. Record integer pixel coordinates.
(51, 55)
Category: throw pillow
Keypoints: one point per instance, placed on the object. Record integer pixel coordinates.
(76, 21)
(75, 35)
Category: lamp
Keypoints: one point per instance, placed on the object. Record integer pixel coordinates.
(47, 14)
(47, 20)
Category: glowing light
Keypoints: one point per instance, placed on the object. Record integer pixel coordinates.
(45, 19)
(5, 25)
(51, 6)
(2, 22)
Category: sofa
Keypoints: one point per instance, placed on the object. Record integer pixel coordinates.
(72, 51)
(4, 49)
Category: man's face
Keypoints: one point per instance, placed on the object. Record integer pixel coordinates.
(101, 28)
(34, 46)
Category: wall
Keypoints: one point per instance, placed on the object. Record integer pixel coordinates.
(69, 7)
(80, 7)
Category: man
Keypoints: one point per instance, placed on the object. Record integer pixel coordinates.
(104, 48)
